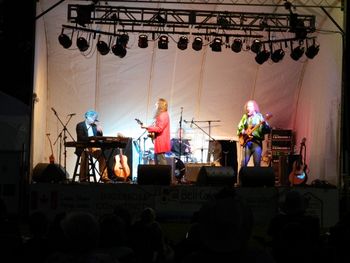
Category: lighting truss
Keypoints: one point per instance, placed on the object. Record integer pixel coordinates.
(184, 22)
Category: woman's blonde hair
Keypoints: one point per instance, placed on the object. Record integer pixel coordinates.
(256, 106)
(162, 106)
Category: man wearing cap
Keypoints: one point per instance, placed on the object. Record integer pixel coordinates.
(86, 129)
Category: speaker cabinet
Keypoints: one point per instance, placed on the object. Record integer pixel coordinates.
(257, 176)
(49, 173)
(148, 174)
(216, 175)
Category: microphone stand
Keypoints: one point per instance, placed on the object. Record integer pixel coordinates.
(209, 132)
(64, 131)
(180, 135)
(140, 152)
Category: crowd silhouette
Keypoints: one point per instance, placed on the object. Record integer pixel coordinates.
(222, 230)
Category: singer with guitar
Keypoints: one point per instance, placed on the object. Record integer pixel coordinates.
(251, 131)
(161, 130)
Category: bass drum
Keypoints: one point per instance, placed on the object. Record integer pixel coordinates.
(180, 169)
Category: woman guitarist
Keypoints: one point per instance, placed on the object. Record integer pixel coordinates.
(121, 168)
(251, 131)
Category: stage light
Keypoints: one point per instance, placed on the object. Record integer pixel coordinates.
(237, 45)
(102, 47)
(277, 55)
(183, 42)
(82, 44)
(119, 49)
(84, 14)
(143, 41)
(312, 50)
(64, 40)
(216, 45)
(262, 56)
(163, 42)
(197, 44)
(256, 46)
(297, 52)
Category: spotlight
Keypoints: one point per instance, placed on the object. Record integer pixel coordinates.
(143, 41)
(82, 44)
(237, 45)
(216, 45)
(163, 42)
(183, 42)
(256, 46)
(197, 44)
(64, 40)
(262, 56)
(119, 49)
(297, 53)
(312, 50)
(277, 55)
(102, 47)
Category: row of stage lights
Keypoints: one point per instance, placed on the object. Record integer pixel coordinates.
(262, 52)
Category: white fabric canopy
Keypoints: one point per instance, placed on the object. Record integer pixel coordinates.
(302, 95)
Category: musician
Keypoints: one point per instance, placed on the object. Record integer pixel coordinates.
(161, 130)
(180, 146)
(85, 129)
(252, 140)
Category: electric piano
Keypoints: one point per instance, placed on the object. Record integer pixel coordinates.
(104, 142)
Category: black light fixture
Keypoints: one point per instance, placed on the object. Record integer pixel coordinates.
(297, 52)
(277, 55)
(182, 43)
(102, 47)
(84, 14)
(197, 43)
(312, 50)
(216, 45)
(82, 44)
(143, 41)
(64, 40)
(256, 46)
(262, 56)
(163, 42)
(119, 48)
(237, 45)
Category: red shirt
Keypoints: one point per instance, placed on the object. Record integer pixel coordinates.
(161, 128)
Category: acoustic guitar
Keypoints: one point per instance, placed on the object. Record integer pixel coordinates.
(248, 135)
(121, 168)
(151, 135)
(298, 175)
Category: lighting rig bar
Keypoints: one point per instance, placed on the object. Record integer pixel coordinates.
(182, 21)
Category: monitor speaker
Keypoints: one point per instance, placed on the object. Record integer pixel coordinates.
(216, 175)
(148, 174)
(257, 176)
(49, 173)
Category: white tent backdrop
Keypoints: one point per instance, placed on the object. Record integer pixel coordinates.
(302, 95)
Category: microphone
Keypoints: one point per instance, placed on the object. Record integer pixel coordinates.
(186, 121)
(53, 110)
(72, 114)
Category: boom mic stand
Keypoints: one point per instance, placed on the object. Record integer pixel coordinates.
(180, 135)
(207, 133)
(64, 131)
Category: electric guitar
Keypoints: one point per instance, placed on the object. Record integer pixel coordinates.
(121, 168)
(248, 135)
(298, 175)
(152, 135)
